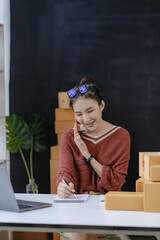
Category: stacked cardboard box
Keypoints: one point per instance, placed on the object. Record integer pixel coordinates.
(64, 120)
(54, 167)
(151, 173)
(147, 195)
(64, 115)
(147, 159)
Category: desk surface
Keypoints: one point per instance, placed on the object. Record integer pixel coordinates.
(79, 217)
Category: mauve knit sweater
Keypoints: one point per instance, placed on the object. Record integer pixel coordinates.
(111, 149)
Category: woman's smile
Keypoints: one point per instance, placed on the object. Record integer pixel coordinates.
(90, 124)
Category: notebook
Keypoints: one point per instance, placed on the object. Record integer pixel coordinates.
(81, 198)
(8, 201)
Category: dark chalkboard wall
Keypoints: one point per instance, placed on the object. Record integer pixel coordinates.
(55, 43)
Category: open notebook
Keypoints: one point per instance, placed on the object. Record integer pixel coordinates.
(81, 198)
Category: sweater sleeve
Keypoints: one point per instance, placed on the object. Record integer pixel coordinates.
(67, 170)
(113, 176)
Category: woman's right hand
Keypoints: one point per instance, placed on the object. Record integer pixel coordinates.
(64, 190)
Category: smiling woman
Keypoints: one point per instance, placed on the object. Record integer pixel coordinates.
(95, 161)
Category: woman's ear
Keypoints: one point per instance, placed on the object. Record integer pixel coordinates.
(102, 105)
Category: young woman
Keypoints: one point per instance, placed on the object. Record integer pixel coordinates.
(96, 161)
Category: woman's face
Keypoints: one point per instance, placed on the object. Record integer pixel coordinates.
(88, 113)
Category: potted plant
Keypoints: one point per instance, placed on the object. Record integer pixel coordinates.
(26, 133)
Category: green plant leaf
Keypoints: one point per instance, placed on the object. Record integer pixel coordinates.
(38, 132)
(17, 133)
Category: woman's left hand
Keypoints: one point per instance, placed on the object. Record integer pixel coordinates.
(81, 145)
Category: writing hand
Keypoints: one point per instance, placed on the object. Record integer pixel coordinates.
(64, 190)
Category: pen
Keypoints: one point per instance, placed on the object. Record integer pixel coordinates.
(68, 185)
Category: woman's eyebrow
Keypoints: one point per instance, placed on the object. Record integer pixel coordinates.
(85, 109)
(89, 108)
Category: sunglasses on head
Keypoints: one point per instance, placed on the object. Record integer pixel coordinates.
(82, 89)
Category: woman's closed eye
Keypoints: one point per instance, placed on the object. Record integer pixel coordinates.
(90, 111)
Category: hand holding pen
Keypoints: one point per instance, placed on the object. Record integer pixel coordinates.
(65, 190)
(73, 192)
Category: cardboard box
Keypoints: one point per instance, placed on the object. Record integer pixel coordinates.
(141, 162)
(53, 185)
(62, 126)
(56, 236)
(59, 136)
(149, 160)
(139, 184)
(64, 114)
(28, 236)
(63, 100)
(131, 201)
(55, 152)
(54, 168)
(155, 173)
(152, 196)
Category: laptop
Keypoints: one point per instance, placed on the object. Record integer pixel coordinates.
(8, 201)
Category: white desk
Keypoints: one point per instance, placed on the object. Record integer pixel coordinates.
(90, 217)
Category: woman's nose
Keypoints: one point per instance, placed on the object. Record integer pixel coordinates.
(86, 118)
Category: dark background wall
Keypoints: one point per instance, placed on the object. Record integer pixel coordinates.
(117, 42)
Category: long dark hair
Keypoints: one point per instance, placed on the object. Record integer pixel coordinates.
(93, 92)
